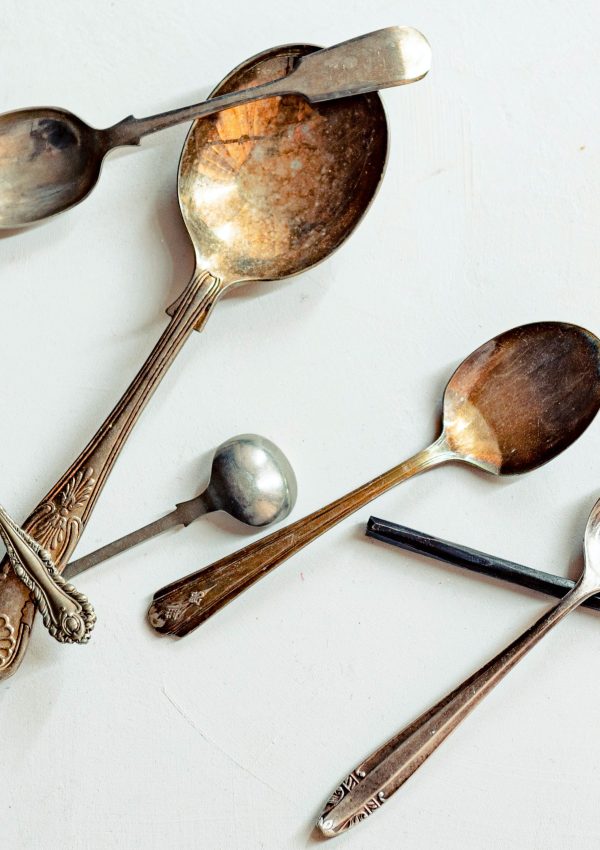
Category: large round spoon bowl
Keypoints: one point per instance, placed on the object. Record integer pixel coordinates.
(271, 188)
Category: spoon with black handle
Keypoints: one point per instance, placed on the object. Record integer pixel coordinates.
(458, 555)
(50, 159)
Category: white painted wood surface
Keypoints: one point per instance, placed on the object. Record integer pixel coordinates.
(488, 218)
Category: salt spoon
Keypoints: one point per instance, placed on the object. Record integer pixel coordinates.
(375, 779)
(50, 159)
(251, 479)
(513, 404)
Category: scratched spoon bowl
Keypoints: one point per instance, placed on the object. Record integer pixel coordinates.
(512, 405)
(50, 159)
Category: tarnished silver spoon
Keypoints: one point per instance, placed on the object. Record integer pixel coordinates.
(251, 479)
(50, 159)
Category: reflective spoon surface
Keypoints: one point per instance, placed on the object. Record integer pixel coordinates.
(251, 479)
(266, 191)
(376, 778)
(50, 159)
(513, 404)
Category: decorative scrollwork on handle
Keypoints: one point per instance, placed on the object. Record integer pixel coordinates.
(344, 788)
(67, 613)
(55, 523)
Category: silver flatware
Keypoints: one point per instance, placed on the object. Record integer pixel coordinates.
(251, 480)
(380, 775)
(513, 404)
(50, 159)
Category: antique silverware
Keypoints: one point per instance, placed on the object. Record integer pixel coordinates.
(513, 404)
(376, 778)
(267, 190)
(471, 559)
(50, 159)
(67, 614)
(251, 479)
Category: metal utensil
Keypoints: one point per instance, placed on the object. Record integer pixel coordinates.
(266, 190)
(376, 778)
(251, 479)
(513, 404)
(471, 559)
(50, 159)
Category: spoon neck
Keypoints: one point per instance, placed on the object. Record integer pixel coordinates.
(191, 509)
(131, 130)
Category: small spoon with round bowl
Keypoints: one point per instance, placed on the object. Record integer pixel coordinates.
(266, 190)
(50, 159)
(251, 480)
(513, 404)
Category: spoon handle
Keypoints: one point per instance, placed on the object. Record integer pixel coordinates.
(183, 605)
(471, 559)
(59, 520)
(375, 779)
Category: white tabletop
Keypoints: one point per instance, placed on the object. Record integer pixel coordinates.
(233, 738)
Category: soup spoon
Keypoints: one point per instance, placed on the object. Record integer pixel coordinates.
(266, 190)
(251, 480)
(513, 404)
(375, 779)
(50, 159)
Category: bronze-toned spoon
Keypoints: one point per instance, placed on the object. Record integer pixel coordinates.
(512, 405)
(382, 773)
(266, 190)
(50, 159)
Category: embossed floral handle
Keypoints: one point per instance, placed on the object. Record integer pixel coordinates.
(59, 520)
(67, 613)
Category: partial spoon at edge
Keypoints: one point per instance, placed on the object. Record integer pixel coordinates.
(251, 480)
(258, 206)
(482, 563)
(513, 404)
(50, 159)
(376, 778)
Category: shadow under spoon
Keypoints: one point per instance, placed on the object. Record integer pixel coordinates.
(458, 555)
(513, 404)
(375, 779)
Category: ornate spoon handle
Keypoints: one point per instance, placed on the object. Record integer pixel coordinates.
(59, 520)
(373, 781)
(182, 606)
(67, 614)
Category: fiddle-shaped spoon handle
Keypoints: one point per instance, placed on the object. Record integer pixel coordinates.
(183, 605)
(60, 519)
(67, 614)
(375, 779)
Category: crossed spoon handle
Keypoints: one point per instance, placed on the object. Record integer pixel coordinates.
(59, 520)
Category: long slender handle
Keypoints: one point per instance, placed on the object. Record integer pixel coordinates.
(182, 606)
(471, 559)
(59, 520)
(392, 56)
(373, 781)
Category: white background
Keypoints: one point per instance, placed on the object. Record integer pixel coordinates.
(488, 217)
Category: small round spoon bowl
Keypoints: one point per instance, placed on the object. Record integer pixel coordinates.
(512, 405)
(251, 480)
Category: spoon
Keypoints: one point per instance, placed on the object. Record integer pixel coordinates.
(513, 404)
(370, 784)
(266, 190)
(50, 159)
(250, 479)
(472, 559)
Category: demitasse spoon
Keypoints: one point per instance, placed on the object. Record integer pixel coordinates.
(251, 479)
(375, 779)
(50, 159)
(512, 405)
(266, 190)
